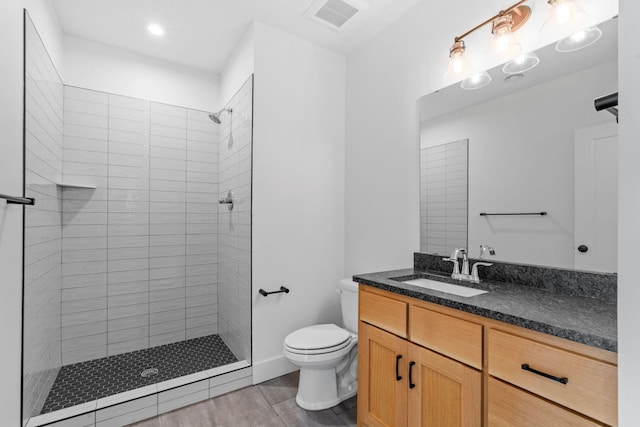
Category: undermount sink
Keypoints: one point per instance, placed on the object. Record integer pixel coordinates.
(449, 288)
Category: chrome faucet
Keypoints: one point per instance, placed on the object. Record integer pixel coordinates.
(465, 263)
(463, 272)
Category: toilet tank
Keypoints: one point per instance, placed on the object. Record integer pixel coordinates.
(349, 303)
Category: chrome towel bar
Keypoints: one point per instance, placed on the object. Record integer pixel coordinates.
(515, 213)
(18, 200)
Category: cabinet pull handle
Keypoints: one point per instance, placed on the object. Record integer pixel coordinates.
(398, 377)
(562, 380)
(411, 384)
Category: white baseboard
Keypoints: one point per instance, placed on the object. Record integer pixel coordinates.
(271, 368)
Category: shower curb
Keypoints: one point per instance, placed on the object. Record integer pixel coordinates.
(149, 401)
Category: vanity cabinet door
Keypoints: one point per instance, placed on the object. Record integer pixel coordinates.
(382, 388)
(445, 393)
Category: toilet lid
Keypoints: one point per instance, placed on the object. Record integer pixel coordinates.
(317, 337)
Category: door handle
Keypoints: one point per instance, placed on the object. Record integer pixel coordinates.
(398, 377)
(411, 384)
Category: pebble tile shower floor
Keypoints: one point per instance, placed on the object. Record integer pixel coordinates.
(95, 379)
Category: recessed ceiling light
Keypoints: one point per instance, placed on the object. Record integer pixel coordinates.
(155, 29)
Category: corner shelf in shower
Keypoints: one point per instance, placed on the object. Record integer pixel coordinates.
(75, 185)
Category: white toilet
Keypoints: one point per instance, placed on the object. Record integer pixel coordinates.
(327, 356)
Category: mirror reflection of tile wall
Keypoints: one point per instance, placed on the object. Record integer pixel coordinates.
(443, 197)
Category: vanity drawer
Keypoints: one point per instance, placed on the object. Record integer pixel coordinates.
(511, 407)
(591, 386)
(453, 337)
(386, 313)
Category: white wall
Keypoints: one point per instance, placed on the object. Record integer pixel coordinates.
(298, 190)
(238, 67)
(522, 155)
(11, 183)
(100, 67)
(629, 212)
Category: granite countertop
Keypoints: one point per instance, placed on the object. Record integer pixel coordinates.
(585, 320)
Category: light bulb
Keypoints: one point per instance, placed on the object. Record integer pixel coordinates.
(459, 66)
(155, 29)
(564, 16)
(561, 12)
(505, 44)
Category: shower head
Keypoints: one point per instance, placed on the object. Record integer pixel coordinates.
(215, 117)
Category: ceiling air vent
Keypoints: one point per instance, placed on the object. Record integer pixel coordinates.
(333, 13)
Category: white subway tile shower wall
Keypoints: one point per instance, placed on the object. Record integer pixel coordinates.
(128, 225)
(443, 198)
(167, 224)
(43, 157)
(201, 225)
(139, 252)
(84, 226)
(234, 227)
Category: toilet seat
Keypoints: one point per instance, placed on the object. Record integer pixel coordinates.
(317, 339)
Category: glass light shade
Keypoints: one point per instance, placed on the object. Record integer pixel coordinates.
(476, 81)
(521, 63)
(459, 65)
(505, 45)
(579, 40)
(564, 16)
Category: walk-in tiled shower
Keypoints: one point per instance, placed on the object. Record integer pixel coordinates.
(130, 259)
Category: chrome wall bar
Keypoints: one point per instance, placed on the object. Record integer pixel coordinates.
(18, 200)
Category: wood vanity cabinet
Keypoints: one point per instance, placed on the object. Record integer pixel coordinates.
(421, 364)
(402, 383)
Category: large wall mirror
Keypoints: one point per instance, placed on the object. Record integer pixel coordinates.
(536, 144)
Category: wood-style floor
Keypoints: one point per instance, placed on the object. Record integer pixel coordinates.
(269, 404)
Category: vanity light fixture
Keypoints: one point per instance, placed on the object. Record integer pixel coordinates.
(476, 81)
(521, 63)
(564, 16)
(156, 30)
(504, 23)
(579, 40)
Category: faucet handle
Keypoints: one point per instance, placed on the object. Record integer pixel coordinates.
(484, 248)
(474, 270)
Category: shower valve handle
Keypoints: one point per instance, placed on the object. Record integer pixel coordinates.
(227, 200)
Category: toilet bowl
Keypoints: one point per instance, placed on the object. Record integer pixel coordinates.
(327, 356)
